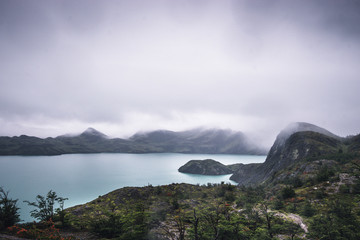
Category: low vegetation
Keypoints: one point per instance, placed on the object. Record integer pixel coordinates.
(323, 204)
(8, 210)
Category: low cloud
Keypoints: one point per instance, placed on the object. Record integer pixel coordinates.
(128, 66)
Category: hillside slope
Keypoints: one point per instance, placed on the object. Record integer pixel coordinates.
(295, 143)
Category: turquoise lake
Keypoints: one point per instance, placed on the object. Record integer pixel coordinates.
(83, 177)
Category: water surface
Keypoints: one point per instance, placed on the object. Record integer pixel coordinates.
(83, 177)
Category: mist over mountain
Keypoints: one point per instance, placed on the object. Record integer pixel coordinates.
(301, 127)
(296, 143)
(91, 132)
(211, 141)
(200, 141)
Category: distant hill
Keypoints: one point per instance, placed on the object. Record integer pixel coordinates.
(213, 141)
(93, 133)
(199, 141)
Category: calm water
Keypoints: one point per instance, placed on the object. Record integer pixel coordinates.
(83, 177)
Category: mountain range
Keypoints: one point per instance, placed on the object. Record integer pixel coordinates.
(294, 145)
(209, 141)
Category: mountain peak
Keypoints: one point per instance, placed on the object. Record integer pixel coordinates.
(93, 132)
(295, 143)
(301, 127)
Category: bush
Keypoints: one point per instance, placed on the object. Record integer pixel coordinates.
(122, 225)
(45, 206)
(324, 174)
(344, 188)
(308, 210)
(296, 182)
(229, 197)
(320, 194)
(220, 192)
(44, 230)
(337, 221)
(109, 226)
(287, 192)
(8, 211)
(356, 187)
(278, 204)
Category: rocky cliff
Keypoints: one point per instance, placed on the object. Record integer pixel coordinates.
(295, 143)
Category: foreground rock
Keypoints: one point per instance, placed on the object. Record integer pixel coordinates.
(205, 167)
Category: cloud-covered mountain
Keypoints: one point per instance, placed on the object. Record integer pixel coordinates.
(199, 141)
(212, 141)
(296, 143)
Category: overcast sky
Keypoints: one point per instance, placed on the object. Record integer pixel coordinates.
(135, 65)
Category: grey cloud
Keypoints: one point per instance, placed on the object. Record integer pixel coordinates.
(126, 66)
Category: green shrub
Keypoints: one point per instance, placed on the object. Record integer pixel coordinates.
(229, 197)
(308, 210)
(108, 226)
(320, 194)
(45, 206)
(356, 187)
(8, 210)
(278, 204)
(344, 188)
(324, 174)
(122, 225)
(287, 192)
(296, 182)
(45, 230)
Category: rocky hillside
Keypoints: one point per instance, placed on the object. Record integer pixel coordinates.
(296, 143)
(205, 167)
(181, 211)
(215, 141)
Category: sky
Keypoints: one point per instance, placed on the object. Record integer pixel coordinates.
(139, 65)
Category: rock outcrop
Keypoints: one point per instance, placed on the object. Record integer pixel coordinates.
(295, 143)
(205, 167)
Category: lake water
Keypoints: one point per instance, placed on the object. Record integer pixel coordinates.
(83, 177)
